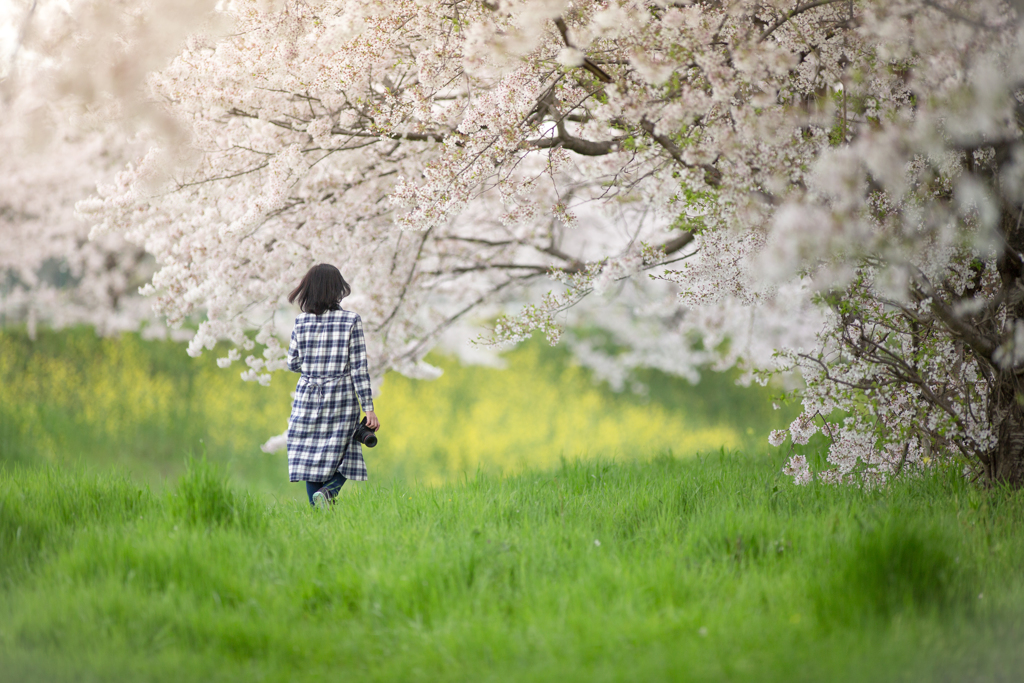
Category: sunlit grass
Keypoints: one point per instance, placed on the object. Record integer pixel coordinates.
(707, 568)
(610, 550)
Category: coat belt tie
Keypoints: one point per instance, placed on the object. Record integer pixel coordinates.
(317, 384)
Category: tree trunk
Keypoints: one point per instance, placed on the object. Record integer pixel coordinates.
(1005, 462)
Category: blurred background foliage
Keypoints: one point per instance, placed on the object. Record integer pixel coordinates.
(74, 398)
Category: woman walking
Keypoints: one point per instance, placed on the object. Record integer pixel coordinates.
(329, 350)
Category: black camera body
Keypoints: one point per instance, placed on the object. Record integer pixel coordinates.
(365, 435)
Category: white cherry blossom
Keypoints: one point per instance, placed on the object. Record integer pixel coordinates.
(830, 187)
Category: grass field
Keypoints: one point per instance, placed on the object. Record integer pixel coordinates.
(525, 524)
(705, 569)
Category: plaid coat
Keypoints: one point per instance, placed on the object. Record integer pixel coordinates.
(330, 352)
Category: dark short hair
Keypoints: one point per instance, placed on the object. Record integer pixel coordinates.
(322, 289)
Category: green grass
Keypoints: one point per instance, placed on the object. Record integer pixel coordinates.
(712, 568)
(122, 561)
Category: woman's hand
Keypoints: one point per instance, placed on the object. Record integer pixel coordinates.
(371, 421)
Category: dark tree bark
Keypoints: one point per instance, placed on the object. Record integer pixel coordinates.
(1005, 462)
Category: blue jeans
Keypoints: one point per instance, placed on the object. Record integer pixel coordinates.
(333, 485)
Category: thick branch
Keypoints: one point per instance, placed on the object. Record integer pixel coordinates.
(578, 266)
(588, 64)
(491, 266)
(477, 240)
(953, 14)
(979, 343)
(799, 9)
(676, 244)
(587, 148)
(412, 137)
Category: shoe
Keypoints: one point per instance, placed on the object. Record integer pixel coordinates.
(321, 500)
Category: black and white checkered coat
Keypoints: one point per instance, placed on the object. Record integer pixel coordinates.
(330, 352)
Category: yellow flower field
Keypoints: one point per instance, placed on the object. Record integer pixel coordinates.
(143, 405)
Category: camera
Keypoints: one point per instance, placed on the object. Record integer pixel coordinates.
(365, 435)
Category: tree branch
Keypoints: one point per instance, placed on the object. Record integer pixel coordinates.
(587, 148)
(971, 336)
(799, 9)
(953, 14)
(588, 64)
(712, 176)
(674, 245)
(491, 266)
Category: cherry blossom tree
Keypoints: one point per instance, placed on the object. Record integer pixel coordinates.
(909, 222)
(50, 271)
(855, 164)
(72, 101)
